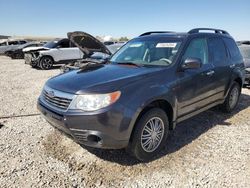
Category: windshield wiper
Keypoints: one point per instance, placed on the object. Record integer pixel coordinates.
(130, 63)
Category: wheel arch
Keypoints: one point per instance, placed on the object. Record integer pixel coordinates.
(158, 103)
(44, 56)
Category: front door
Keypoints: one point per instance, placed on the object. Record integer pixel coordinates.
(195, 88)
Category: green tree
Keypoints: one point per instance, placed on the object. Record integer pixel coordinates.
(123, 39)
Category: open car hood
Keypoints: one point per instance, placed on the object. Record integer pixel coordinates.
(87, 43)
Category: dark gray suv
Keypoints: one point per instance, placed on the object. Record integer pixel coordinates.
(148, 86)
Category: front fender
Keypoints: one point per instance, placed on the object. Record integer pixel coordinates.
(143, 96)
(47, 53)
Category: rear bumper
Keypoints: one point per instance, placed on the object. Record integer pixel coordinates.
(92, 130)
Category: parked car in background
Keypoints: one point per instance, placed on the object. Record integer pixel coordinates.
(152, 83)
(108, 43)
(17, 52)
(55, 52)
(10, 44)
(244, 47)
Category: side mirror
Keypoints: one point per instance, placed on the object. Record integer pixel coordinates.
(191, 63)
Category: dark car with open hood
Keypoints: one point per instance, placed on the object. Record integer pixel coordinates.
(148, 86)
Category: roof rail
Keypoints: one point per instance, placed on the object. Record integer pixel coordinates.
(155, 32)
(196, 30)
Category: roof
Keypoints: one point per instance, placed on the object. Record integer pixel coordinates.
(199, 31)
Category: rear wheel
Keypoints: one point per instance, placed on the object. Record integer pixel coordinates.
(46, 63)
(150, 134)
(232, 98)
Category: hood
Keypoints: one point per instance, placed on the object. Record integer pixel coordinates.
(87, 43)
(102, 78)
(29, 49)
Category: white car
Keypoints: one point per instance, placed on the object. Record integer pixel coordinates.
(10, 44)
(54, 52)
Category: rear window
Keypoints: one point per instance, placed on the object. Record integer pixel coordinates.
(233, 49)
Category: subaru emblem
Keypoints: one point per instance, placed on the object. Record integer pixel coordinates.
(51, 94)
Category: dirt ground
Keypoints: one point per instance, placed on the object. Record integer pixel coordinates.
(209, 150)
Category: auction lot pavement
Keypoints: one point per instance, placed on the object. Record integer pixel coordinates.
(210, 150)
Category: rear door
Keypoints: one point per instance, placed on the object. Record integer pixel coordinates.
(220, 58)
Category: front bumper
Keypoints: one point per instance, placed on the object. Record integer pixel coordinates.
(30, 59)
(107, 130)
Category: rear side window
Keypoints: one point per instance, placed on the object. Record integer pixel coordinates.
(233, 49)
(22, 42)
(13, 42)
(64, 44)
(197, 49)
(217, 50)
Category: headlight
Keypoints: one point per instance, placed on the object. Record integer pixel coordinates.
(92, 102)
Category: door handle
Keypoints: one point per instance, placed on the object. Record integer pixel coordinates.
(232, 66)
(210, 73)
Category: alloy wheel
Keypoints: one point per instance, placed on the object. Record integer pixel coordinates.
(152, 134)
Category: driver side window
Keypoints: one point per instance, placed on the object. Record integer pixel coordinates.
(197, 48)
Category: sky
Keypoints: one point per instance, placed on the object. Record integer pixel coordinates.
(122, 18)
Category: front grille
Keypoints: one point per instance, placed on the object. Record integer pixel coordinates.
(56, 98)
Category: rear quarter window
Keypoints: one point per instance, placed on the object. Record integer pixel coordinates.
(233, 49)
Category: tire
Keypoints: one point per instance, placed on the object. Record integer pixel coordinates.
(19, 56)
(232, 98)
(140, 145)
(34, 64)
(46, 62)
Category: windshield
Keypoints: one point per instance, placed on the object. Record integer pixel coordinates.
(51, 44)
(148, 52)
(245, 51)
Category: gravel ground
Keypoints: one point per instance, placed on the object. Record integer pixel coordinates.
(209, 150)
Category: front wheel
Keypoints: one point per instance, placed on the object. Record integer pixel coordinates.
(232, 98)
(150, 134)
(34, 64)
(46, 63)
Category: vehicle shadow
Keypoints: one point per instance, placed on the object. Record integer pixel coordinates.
(183, 134)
